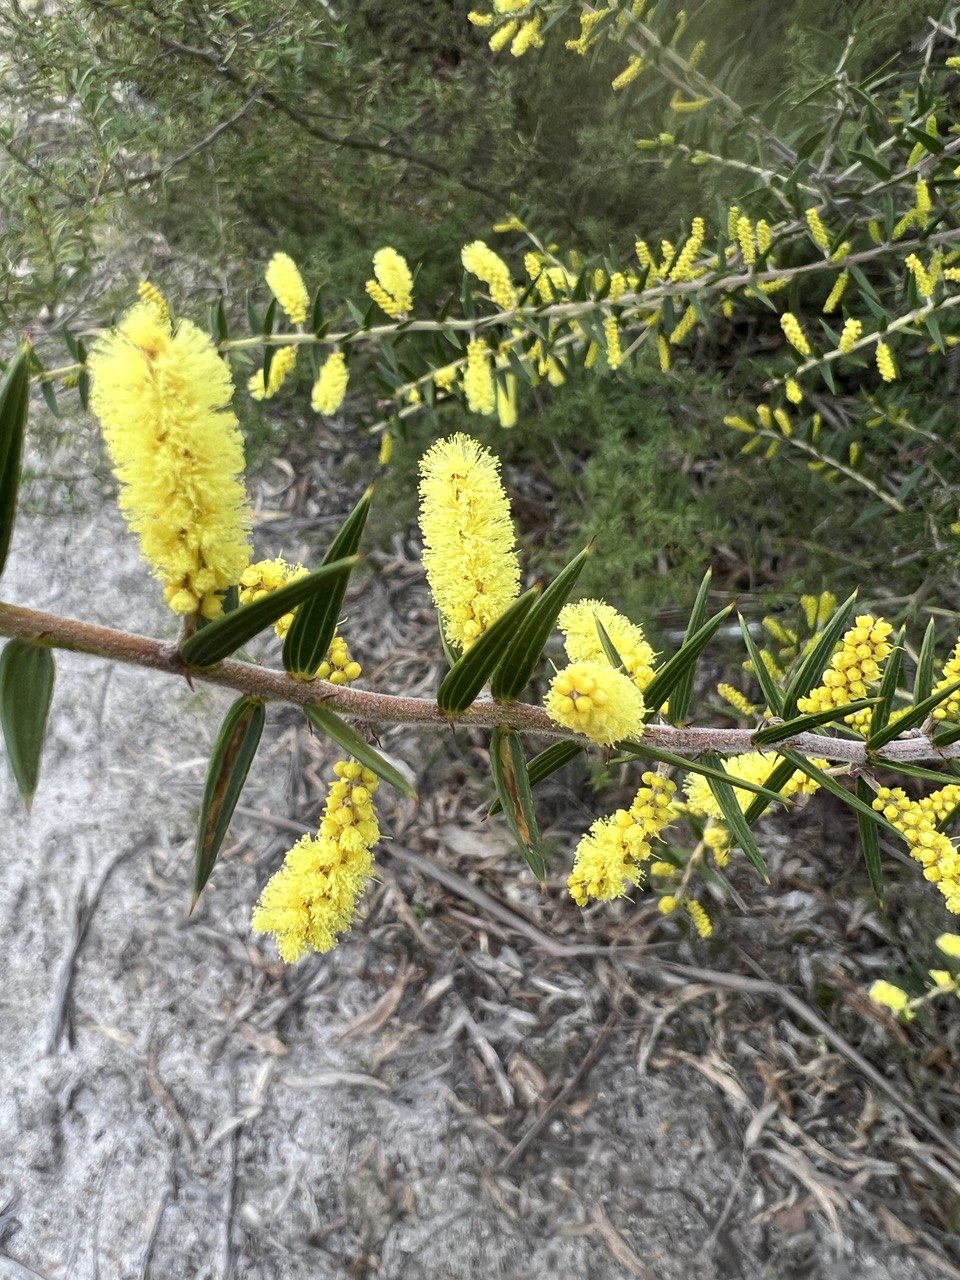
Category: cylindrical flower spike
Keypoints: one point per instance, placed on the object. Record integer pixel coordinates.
(286, 283)
(330, 388)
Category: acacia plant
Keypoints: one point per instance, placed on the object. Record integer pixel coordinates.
(843, 252)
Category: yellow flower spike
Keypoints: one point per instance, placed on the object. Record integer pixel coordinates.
(855, 664)
(888, 996)
(886, 366)
(818, 232)
(595, 699)
(941, 977)
(685, 326)
(949, 944)
(794, 391)
(764, 235)
(698, 914)
(934, 850)
(683, 268)
(286, 283)
(835, 296)
(667, 904)
(259, 579)
(480, 260)
(281, 366)
(630, 73)
(582, 642)
(850, 335)
(480, 19)
(753, 766)
(746, 239)
(528, 37)
(313, 897)
(150, 294)
(612, 853)
(503, 35)
(392, 290)
(734, 698)
(330, 389)
(163, 399)
(611, 333)
(950, 707)
(663, 351)
(793, 332)
(469, 551)
(478, 381)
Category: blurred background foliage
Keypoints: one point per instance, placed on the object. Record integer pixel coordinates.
(207, 135)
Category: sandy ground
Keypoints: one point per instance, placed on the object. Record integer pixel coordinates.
(438, 1099)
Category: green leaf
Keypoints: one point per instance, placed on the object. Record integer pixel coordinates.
(923, 681)
(645, 752)
(918, 771)
(471, 672)
(888, 688)
(683, 691)
(673, 671)
(803, 724)
(814, 664)
(311, 631)
(14, 405)
(946, 737)
(544, 764)
(609, 648)
(230, 762)
(777, 779)
(224, 635)
(26, 687)
(733, 815)
(330, 724)
(527, 645)
(836, 788)
(914, 717)
(772, 693)
(512, 782)
(870, 841)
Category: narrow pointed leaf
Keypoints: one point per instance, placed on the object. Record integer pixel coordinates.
(527, 645)
(667, 679)
(836, 788)
(14, 405)
(227, 771)
(947, 736)
(772, 693)
(610, 649)
(708, 771)
(733, 815)
(544, 764)
(923, 681)
(870, 841)
(683, 692)
(345, 736)
(914, 717)
(27, 674)
(224, 635)
(888, 688)
(779, 776)
(918, 771)
(811, 669)
(471, 672)
(803, 724)
(316, 620)
(512, 782)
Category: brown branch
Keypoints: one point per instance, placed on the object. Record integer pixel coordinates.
(383, 708)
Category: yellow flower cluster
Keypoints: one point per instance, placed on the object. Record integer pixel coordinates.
(163, 399)
(888, 996)
(855, 664)
(886, 366)
(684, 267)
(916, 820)
(392, 290)
(286, 283)
(528, 37)
(313, 897)
(582, 642)
(835, 296)
(949, 709)
(849, 335)
(480, 260)
(698, 914)
(478, 382)
(611, 334)
(793, 332)
(469, 550)
(259, 579)
(611, 854)
(753, 766)
(330, 389)
(281, 366)
(818, 232)
(739, 701)
(630, 73)
(595, 699)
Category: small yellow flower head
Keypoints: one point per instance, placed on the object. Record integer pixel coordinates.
(528, 37)
(481, 261)
(683, 268)
(339, 667)
(794, 391)
(259, 579)
(313, 897)
(480, 19)
(286, 283)
(885, 363)
(595, 699)
(950, 707)
(739, 701)
(698, 914)
(582, 642)
(818, 232)
(469, 551)
(618, 286)
(888, 996)
(746, 240)
(281, 366)
(150, 294)
(392, 290)
(764, 235)
(753, 766)
(794, 334)
(330, 388)
(608, 858)
(941, 977)
(949, 944)
(835, 296)
(661, 869)
(685, 325)
(478, 381)
(163, 399)
(667, 905)
(386, 450)
(917, 823)
(850, 335)
(855, 664)
(630, 73)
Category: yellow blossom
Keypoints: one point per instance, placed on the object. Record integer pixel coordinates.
(286, 283)
(794, 334)
(683, 268)
(949, 944)
(698, 914)
(480, 260)
(890, 997)
(392, 290)
(885, 363)
(663, 351)
(612, 853)
(469, 544)
(611, 333)
(582, 642)
(313, 897)
(667, 904)
(163, 395)
(684, 326)
(794, 391)
(835, 295)
(739, 701)
(746, 239)
(281, 366)
(330, 388)
(259, 579)
(507, 400)
(850, 335)
(478, 382)
(528, 37)
(595, 699)
(630, 73)
(150, 294)
(753, 766)
(933, 849)
(818, 231)
(855, 664)
(950, 707)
